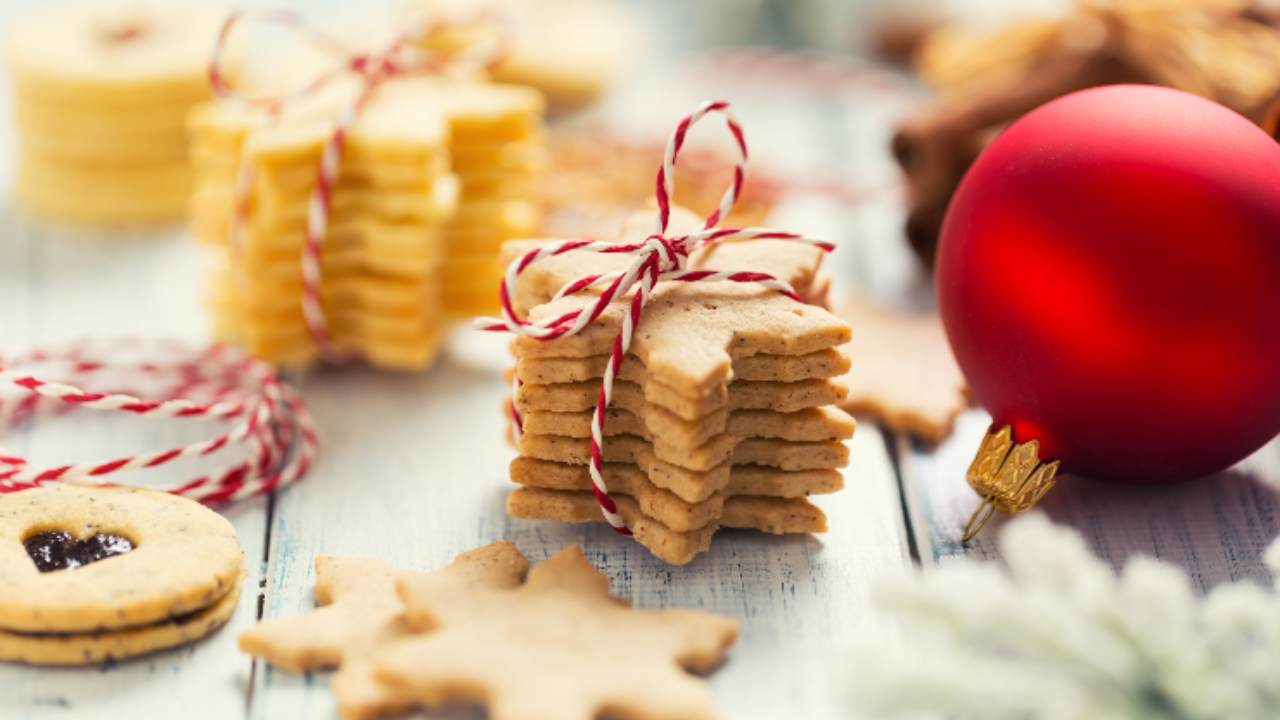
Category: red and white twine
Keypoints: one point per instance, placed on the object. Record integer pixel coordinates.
(660, 258)
(405, 55)
(267, 417)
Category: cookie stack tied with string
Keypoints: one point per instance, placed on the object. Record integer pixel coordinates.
(100, 96)
(675, 381)
(496, 145)
(327, 209)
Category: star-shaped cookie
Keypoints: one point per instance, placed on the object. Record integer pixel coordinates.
(557, 647)
(903, 372)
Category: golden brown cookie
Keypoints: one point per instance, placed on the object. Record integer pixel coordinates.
(777, 516)
(113, 53)
(114, 645)
(593, 654)
(357, 611)
(183, 559)
(667, 507)
(903, 372)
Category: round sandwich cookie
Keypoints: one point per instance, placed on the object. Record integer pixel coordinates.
(85, 560)
(113, 645)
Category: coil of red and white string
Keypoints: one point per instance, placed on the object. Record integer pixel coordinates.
(267, 418)
(660, 258)
(407, 54)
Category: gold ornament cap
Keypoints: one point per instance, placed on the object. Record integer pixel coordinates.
(1010, 477)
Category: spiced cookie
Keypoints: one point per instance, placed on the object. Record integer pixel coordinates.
(98, 647)
(120, 568)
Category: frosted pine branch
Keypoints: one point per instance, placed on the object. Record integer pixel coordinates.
(1056, 634)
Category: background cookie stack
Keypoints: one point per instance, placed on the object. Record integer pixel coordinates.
(571, 50)
(382, 258)
(722, 413)
(101, 94)
(497, 151)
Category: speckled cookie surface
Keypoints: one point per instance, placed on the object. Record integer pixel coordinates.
(827, 363)
(101, 647)
(782, 454)
(744, 395)
(665, 506)
(808, 425)
(185, 558)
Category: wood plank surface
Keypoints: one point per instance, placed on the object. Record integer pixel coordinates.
(1216, 527)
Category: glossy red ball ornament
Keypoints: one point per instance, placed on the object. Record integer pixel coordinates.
(1109, 278)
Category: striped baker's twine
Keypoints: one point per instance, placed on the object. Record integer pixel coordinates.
(659, 258)
(266, 416)
(406, 54)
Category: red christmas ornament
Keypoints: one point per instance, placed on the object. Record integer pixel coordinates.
(1109, 278)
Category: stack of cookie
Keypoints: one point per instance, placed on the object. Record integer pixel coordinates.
(497, 151)
(571, 50)
(90, 575)
(101, 93)
(723, 412)
(382, 257)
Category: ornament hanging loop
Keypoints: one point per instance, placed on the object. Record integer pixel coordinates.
(1009, 476)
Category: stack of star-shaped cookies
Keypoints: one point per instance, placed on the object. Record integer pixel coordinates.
(101, 92)
(496, 145)
(722, 414)
(383, 254)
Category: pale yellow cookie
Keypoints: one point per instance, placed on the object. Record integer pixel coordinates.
(358, 612)
(781, 454)
(572, 50)
(394, 126)
(114, 52)
(826, 363)
(744, 394)
(184, 558)
(654, 424)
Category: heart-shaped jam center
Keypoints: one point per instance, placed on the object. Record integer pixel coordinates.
(57, 550)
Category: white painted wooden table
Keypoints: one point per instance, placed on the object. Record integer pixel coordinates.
(413, 468)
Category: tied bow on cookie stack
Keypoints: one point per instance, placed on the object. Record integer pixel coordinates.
(352, 216)
(668, 383)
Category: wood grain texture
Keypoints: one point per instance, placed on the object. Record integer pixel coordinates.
(1216, 527)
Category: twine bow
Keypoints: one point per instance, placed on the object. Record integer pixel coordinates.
(660, 258)
(408, 54)
(267, 415)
